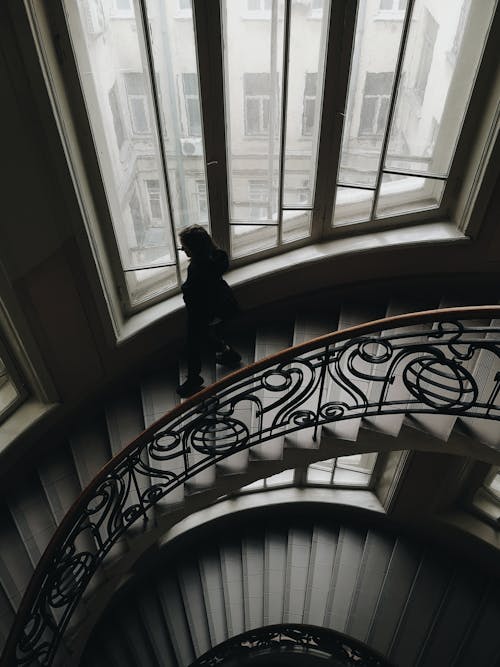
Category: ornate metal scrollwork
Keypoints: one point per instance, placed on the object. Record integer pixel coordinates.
(296, 639)
(427, 367)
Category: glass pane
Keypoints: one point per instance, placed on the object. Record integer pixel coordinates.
(296, 225)
(442, 56)
(285, 477)
(247, 239)
(175, 62)
(320, 472)
(316, 476)
(253, 57)
(352, 205)
(117, 89)
(404, 194)
(350, 477)
(259, 484)
(374, 60)
(305, 92)
(359, 462)
(147, 283)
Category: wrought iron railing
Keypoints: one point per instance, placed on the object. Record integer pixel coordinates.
(417, 363)
(291, 639)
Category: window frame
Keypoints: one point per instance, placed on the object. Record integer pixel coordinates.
(12, 374)
(338, 56)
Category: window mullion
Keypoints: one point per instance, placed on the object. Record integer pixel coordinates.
(284, 98)
(208, 31)
(392, 104)
(340, 40)
(158, 122)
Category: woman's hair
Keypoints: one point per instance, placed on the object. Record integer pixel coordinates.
(198, 241)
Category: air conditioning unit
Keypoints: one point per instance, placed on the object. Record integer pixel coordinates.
(192, 146)
(93, 15)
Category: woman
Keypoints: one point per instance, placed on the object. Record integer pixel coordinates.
(209, 300)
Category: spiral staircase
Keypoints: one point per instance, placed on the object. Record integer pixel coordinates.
(413, 603)
(34, 509)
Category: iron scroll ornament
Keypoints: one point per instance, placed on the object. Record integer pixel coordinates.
(292, 638)
(417, 363)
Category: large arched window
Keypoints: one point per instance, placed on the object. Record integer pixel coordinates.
(273, 124)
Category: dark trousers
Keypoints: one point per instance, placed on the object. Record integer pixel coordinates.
(201, 335)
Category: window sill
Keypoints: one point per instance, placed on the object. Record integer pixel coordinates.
(429, 233)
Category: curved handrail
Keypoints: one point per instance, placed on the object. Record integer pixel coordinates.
(305, 386)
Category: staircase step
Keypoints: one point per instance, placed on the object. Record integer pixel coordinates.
(159, 397)
(270, 339)
(351, 314)
(311, 324)
(397, 391)
(244, 343)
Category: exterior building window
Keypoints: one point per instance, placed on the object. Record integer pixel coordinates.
(257, 103)
(192, 102)
(375, 106)
(123, 8)
(137, 102)
(201, 196)
(426, 54)
(153, 188)
(259, 6)
(316, 8)
(393, 5)
(309, 104)
(258, 195)
(459, 33)
(117, 116)
(137, 220)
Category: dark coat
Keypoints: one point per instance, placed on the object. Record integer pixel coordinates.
(206, 294)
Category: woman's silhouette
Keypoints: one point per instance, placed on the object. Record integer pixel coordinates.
(209, 300)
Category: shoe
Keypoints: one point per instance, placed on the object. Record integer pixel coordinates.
(229, 358)
(190, 386)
